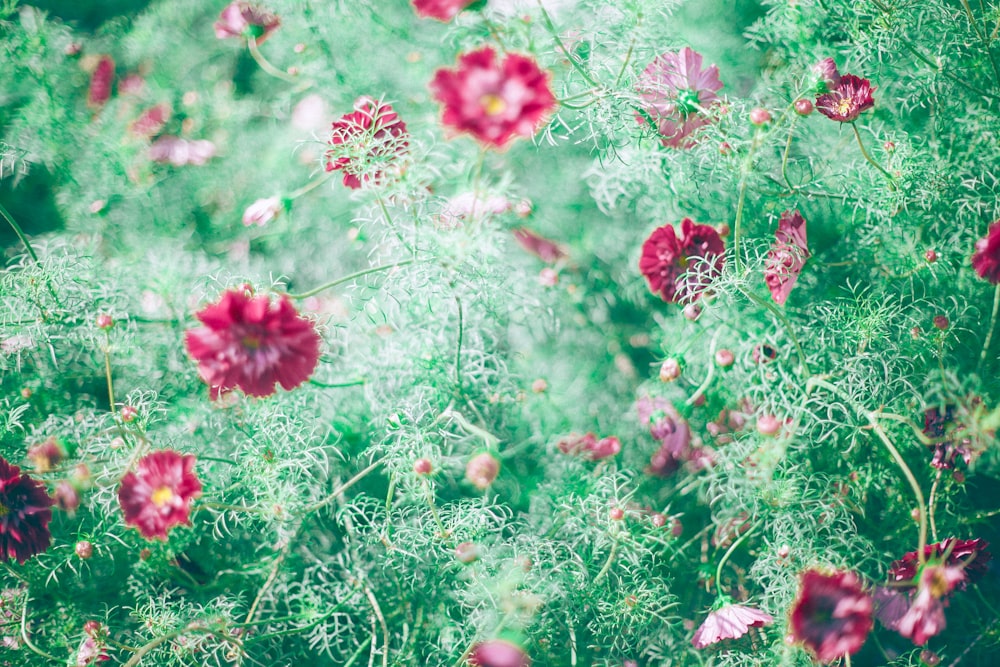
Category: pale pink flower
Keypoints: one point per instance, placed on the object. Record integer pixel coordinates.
(731, 621)
(263, 211)
(787, 256)
(676, 93)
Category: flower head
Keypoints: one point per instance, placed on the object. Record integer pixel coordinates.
(971, 554)
(539, 246)
(832, 615)
(787, 256)
(180, 152)
(986, 258)
(252, 343)
(498, 653)
(666, 425)
(46, 455)
(946, 451)
(827, 75)
(494, 100)
(442, 10)
(243, 19)
(151, 122)
(666, 257)
(846, 99)
(925, 618)
(263, 211)
(157, 495)
(24, 514)
(366, 142)
(675, 92)
(589, 446)
(100, 82)
(730, 621)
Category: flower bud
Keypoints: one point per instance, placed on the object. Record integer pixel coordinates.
(91, 628)
(768, 425)
(941, 322)
(803, 107)
(481, 470)
(539, 386)
(670, 370)
(930, 256)
(422, 466)
(760, 116)
(498, 653)
(658, 520)
(129, 413)
(84, 550)
(692, 311)
(262, 211)
(467, 552)
(724, 358)
(548, 277)
(104, 321)
(616, 514)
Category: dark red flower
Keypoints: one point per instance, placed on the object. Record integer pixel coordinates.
(667, 256)
(243, 19)
(730, 621)
(676, 92)
(539, 246)
(100, 82)
(157, 495)
(847, 99)
(971, 553)
(787, 256)
(366, 142)
(498, 653)
(986, 258)
(946, 451)
(251, 342)
(442, 10)
(24, 514)
(832, 615)
(492, 100)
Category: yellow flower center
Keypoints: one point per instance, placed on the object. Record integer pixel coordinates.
(162, 496)
(844, 107)
(3, 510)
(251, 342)
(492, 104)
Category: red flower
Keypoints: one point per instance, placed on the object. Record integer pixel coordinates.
(539, 246)
(100, 82)
(152, 120)
(847, 99)
(676, 92)
(157, 496)
(665, 257)
(832, 615)
(986, 259)
(827, 74)
(24, 515)
(242, 19)
(252, 343)
(366, 141)
(498, 653)
(925, 618)
(590, 447)
(970, 554)
(442, 10)
(493, 101)
(787, 256)
(731, 621)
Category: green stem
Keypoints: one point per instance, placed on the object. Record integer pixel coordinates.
(741, 202)
(729, 552)
(24, 631)
(608, 563)
(458, 346)
(784, 157)
(864, 151)
(430, 503)
(311, 185)
(785, 323)
(265, 64)
(20, 233)
(547, 20)
(930, 506)
(992, 326)
(347, 279)
(107, 372)
(337, 385)
(343, 487)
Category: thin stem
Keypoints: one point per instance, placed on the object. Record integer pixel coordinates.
(343, 487)
(458, 347)
(992, 326)
(784, 157)
(864, 151)
(547, 20)
(24, 630)
(107, 372)
(628, 58)
(785, 323)
(347, 279)
(20, 233)
(264, 64)
(711, 371)
(847, 660)
(337, 385)
(267, 585)
(741, 202)
(311, 185)
(381, 620)
(931, 503)
(607, 564)
(433, 507)
(729, 552)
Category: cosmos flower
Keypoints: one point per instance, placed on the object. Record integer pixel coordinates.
(366, 142)
(831, 615)
(25, 512)
(787, 256)
(970, 554)
(157, 495)
(665, 425)
(675, 93)
(442, 10)
(947, 451)
(666, 257)
(846, 99)
(100, 82)
(589, 446)
(986, 258)
(925, 617)
(827, 75)
(150, 122)
(252, 343)
(263, 211)
(180, 152)
(890, 605)
(539, 246)
(498, 653)
(243, 19)
(730, 621)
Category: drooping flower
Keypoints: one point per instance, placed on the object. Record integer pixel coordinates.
(366, 142)
(676, 94)
(539, 246)
(925, 618)
(846, 99)
(263, 211)
(666, 257)
(157, 495)
(827, 75)
(986, 258)
(442, 10)
(25, 512)
(46, 455)
(589, 446)
(969, 554)
(729, 621)
(831, 615)
(498, 653)
(252, 343)
(243, 19)
(180, 152)
(947, 451)
(787, 256)
(665, 425)
(150, 122)
(494, 100)
(100, 82)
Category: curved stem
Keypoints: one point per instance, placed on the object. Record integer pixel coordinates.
(19, 232)
(861, 145)
(343, 487)
(711, 371)
(347, 279)
(458, 346)
(931, 503)
(784, 157)
(24, 631)
(607, 564)
(741, 202)
(265, 64)
(729, 552)
(992, 325)
(311, 185)
(430, 503)
(337, 385)
(547, 20)
(785, 323)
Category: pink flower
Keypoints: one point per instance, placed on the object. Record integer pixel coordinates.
(100, 82)
(25, 513)
(890, 605)
(470, 206)
(180, 152)
(676, 92)
(969, 554)
(365, 142)
(151, 122)
(46, 455)
(665, 425)
(539, 246)
(251, 342)
(242, 19)
(589, 446)
(847, 99)
(157, 495)
(481, 470)
(263, 211)
(666, 257)
(986, 258)
(832, 615)
(492, 100)
(731, 621)
(925, 617)
(498, 653)
(787, 256)
(442, 10)
(827, 74)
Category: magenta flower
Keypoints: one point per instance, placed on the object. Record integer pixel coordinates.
(442, 10)
(971, 555)
(947, 451)
(151, 122)
(730, 621)
(539, 246)
(180, 152)
(827, 75)
(847, 99)
(787, 256)
(100, 82)
(925, 617)
(589, 446)
(666, 260)
(498, 653)
(665, 425)
(157, 495)
(46, 455)
(494, 100)
(676, 94)
(832, 615)
(366, 142)
(253, 343)
(25, 513)
(986, 258)
(243, 19)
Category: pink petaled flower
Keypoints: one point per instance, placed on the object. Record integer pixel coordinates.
(890, 605)
(157, 495)
(676, 92)
(472, 207)
(787, 256)
(263, 211)
(986, 258)
(847, 99)
(666, 257)
(589, 446)
(925, 617)
(100, 82)
(493, 100)
(827, 74)
(498, 653)
(242, 19)
(442, 10)
(667, 426)
(46, 455)
(24, 515)
(832, 615)
(946, 451)
(152, 120)
(91, 651)
(539, 246)
(366, 142)
(180, 152)
(969, 554)
(252, 343)
(730, 621)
